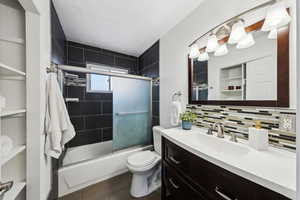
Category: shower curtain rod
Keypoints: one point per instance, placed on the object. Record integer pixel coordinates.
(69, 68)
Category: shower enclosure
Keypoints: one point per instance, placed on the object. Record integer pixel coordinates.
(131, 119)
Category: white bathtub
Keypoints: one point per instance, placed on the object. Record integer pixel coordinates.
(77, 176)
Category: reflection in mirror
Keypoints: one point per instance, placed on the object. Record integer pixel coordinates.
(242, 74)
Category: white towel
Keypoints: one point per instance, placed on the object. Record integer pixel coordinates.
(58, 126)
(176, 110)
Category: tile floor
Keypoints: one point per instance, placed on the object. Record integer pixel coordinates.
(116, 188)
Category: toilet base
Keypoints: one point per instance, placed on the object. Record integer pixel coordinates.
(143, 185)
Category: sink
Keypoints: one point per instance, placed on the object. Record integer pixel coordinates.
(219, 146)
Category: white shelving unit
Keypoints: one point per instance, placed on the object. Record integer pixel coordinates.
(6, 70)
(14, 152)
(232, 76)
(15, 40)
(13, 89)
(8, 113)
(15, 191)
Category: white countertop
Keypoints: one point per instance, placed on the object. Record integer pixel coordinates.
(274, 169)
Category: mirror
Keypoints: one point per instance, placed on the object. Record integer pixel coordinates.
(250, 76)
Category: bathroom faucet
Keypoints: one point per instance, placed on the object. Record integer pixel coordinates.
(233, 137)
(220, 129)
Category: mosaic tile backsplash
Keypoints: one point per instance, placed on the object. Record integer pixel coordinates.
(237, 119)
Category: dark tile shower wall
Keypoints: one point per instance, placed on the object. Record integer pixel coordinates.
(80, 55)
(92, 116)
(149, 66)
(58, 39)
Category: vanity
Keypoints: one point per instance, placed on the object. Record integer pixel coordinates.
(197, 166)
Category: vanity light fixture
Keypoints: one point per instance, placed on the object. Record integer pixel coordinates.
(246, 42)
(222, 50)
(203, 56)
(277, 16)
(238, 32)
(273, 34)
(194, 52)
(212, 43)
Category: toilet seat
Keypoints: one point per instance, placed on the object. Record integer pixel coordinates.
(142, 159)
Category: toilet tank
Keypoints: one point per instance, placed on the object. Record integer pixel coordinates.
(157, 138)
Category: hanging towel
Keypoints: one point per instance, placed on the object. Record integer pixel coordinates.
(58, 127)
(176, 110)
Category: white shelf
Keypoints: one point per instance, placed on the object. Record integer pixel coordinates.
(10, 71)
(7, 113)
(233, 78)
(13, 193)
(15, 151)
(12, 40)
(232, 90)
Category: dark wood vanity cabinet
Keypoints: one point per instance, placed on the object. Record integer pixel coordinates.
(187, 176)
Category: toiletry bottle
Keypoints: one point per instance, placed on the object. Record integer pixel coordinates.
(258, 137)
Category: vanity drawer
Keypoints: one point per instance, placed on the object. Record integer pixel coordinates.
(176, 187)
(213, 181)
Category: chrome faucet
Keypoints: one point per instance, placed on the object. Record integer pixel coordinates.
(233, 137)
(220, 129)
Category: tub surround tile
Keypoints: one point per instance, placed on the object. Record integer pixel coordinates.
(107, 134)
(238, 119)
(149, 66)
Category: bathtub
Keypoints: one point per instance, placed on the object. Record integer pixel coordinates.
(81, 174)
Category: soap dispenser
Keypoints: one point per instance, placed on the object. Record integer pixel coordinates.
(258, 137)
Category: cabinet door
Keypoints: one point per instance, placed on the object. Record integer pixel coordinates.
(177, 188)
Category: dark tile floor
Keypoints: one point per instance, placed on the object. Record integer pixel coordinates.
(116, 188)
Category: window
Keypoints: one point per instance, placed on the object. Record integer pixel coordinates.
(101, 83)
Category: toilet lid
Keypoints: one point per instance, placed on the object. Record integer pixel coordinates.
(141, 159)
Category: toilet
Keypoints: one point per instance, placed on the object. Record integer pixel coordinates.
(145, 167)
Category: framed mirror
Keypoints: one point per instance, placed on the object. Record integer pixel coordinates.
(254, 76)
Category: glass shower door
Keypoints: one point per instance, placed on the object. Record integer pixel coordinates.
(131, 112)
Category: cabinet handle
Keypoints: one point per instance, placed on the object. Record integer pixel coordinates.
(173, 184)
(217, 190)
(174, 160)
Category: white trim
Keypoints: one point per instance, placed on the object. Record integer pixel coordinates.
(298, 97)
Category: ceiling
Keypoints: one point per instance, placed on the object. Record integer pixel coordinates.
(126, 26)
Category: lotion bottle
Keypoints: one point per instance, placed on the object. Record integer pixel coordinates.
(258, 137)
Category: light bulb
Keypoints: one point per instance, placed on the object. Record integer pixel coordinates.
(238, 32)
(212, 43)
(277, 16)
(222, 50)
(194, 51)
(247, 42)
(273, 34)
(203, 56)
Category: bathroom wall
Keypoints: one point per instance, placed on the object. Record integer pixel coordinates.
(58, 39)
(149, 66)
(174, 48)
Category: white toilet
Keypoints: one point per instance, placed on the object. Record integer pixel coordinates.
(145, 167)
